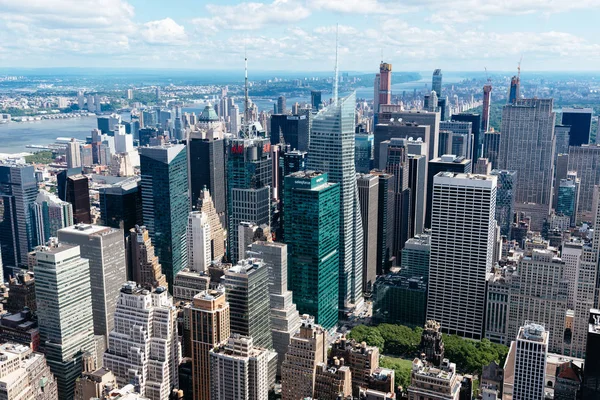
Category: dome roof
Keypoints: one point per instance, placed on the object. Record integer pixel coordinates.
(208, 114)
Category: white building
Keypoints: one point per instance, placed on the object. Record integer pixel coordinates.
(50, 214)
(239, 371)
(462, 246)
(198, 241)
(144, 346)
(530, 362)
(73, 153)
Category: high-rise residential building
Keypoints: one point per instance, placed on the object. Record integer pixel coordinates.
(311, 228)
(315, 99)
(121, 204)
(539, 292)
(385, 83)
(240, 370)
(281, 107)
(461, 247)
(567, 198)
(527, 146)
(376, 85)
(208, 316)
(514, 94)
(25, 374)
(415, 118)
(580, 121)
(505, 199)
(307, 349)
(332, 151)
(144, 346)
(198, 241)
(50, 214)
(285, 319)
(436, 82)
(447, 163)
(165, 203)
(73, 153)
(105, 250)
(487, 102)
(64, 310)
(18, 192)
(475, 120)
(249, 180)
(292, 128)
(585, 160)
(247, 285)
(368, 195)
(143, 265)
(364, 152)
(491, 147)
(531, 350)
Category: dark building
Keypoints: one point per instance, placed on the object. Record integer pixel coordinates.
(475, 119)
(146, 134)
(315, 99)
(281, 107)
(78, 194)
(20, 327)
(580, 120)
(385, 221)
(432, 344)
(293, 161)
(591, 373)
(18, 191)
(121, 204)
(397, 129)
(104, 125)
(447, 163)
(417, 180)
(400, 300)
(207, 169)
(491, 147)
(293, 128)
(514, 90)
(21, 293)
(443, 108)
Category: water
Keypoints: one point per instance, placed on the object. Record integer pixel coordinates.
(15, 136)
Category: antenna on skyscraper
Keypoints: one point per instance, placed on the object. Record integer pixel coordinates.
(335, 82)
(246, 118)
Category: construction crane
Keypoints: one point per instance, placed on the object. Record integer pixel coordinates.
(519, 68)
(489, 80)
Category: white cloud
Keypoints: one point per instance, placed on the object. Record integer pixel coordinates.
(363, 6)
(164, 31)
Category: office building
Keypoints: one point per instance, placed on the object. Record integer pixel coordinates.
(247, 285)
(94, 384)
(198, 241)
(482, 167)
(434, 382)
(385, 219)
(362, 360)
(18, 192)
(64, 310)
(539, 292)
(333, 380)
(78, 194)
(249, 233)
(364, 152)
(527, 147)
(447, 163)
(73, 153)
(332, 151)
(423, 118)
(285, 319)
(436, 82)
(105, 250)
(497, 305)
(491, 147)
(591, 376)
(531, 350)
(585, 160)
(399, 300)
(514, 90)
(240, 370)
(22, 292)
(315, 99)
(121, 204)
(307, 349)
(368, 195)
(417, 183)
(217, 236)
(415, 257)
(50, 214)
(311, 226)
(580, 121)
(165, 204)
(249, 180)
(475, 120)
(209, 324)
(25, 374)
(567, 198)
(292, 128)
(397, 129)
(144, 345)
(461, 247)
(505, 199)
(562, 133)
(460, 142)
(188, 283)
(143, 265)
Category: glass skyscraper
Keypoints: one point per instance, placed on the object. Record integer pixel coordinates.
(505, 199)
(364, 152)
(311, 227)
(166, 204)
(331, 150)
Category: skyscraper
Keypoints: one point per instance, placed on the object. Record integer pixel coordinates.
(312, 233)
(487, 102)
(105, 250)
(18, 191)
(281, 107)
(78, 194)
(249, 176)
(364, 152)
(505, 199)
(315, 99)
(417, 183)
(73, 154)
(580, 121)
(293, 129)
(376, 85)
(585, 160)
(165, 203)
(247, 285)
(461, 140)
(50, 214)
(491, 147)
(144, 346)
(121, 204)
(385, 83)
(514, 92)
(591, 380)
(568, 198)
(64, 310)
(475, 120)
(436, 83)
(385, 221)
(143, 265)
(527, 146)
(368, 195)
(461, 247)
(209, 324)
(217, 236)
(332, 151)
(530, 362)
(198, 241)
(416, 118)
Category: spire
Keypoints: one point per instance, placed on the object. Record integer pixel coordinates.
(246, 117)
(335, 81)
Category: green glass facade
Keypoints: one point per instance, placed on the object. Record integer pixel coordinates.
(400, 300)
(311, 226)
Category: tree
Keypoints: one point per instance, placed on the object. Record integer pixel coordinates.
(368, 334)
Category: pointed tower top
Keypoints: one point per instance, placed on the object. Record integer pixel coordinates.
(335, 81)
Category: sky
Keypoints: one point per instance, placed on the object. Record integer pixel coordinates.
(299, 35)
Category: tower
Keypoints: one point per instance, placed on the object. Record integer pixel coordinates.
(580, 121)
(530, 362)
(485, 112)
(436, 84)
(50, 214)
(505, 200)
(198, 241)
(165, 203)
(73, 154)
(385, 83)
(368, 195)
(143, 265)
